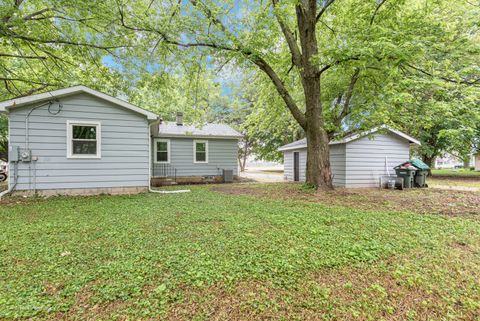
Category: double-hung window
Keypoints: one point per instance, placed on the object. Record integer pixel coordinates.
(83, 139)
(200, 151)
(162, 151)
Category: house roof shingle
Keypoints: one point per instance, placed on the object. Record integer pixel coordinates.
(171, 129)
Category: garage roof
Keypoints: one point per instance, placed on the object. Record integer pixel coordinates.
(302, 143)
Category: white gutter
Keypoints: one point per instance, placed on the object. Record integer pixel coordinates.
(150, 166)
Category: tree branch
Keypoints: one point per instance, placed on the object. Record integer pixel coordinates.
(34, 14)
(327, 4)
(289, 37)
(338, 62)
(348, 97)
(376, 11)
(22, 80)
(60, 41)
(254, 58)
(281, 89)
(472, 82)
(21, 56)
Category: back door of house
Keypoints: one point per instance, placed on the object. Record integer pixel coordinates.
(296, 166)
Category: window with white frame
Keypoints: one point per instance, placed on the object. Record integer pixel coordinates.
(200, 151)
(162, 151)
(83, 139)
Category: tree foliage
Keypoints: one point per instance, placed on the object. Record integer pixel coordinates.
(411, 63)
(3, 138)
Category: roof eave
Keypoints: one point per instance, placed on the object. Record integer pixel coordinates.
(22, 101)
(284, 149)
(358, 136)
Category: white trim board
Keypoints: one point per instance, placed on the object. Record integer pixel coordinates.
(195, 151)
(155, 140)
(98, 139)
(5, 106)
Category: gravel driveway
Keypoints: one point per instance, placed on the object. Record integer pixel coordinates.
(264, 174)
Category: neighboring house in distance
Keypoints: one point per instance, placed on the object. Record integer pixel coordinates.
(194, 153)
(356, 161)
(477, 161)
(448, 161)
(81, 141)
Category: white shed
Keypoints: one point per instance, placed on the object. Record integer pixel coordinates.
(358, 160)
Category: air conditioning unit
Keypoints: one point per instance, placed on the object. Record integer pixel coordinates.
(227, 176)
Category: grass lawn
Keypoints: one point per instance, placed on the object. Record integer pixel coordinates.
(455, 182)
(455, 172)
(241, 252)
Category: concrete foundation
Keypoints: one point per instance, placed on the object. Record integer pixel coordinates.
(85, 191)
(163, 181)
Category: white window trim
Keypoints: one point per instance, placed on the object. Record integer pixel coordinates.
(70, 124)
(195, 151)
(155, 150)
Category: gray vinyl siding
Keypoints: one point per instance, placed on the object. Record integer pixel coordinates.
(359, 163)
(337, 161)
(124, 158)
(366, 158)
(222, 154)
(288, 165)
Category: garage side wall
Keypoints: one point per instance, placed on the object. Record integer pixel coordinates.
(124, 161)
(337, 162)
(367, 159)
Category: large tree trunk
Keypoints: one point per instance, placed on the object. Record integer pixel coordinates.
(466, 163)
(318, 171)
(318, 161)
(430, 161)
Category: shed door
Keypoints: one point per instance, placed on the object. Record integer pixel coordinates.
(296, 166)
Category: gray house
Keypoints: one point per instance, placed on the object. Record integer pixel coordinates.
(194, 153)
(358, 160)
(81, 141)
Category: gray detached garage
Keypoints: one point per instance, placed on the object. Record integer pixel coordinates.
(358, 160)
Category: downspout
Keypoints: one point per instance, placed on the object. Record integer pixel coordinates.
(150, 157)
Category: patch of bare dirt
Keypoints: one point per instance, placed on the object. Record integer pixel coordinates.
(423, 201)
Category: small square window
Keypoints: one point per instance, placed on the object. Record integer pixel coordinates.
(83, 139)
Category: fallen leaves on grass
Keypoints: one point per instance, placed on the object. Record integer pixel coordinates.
(422, 201)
